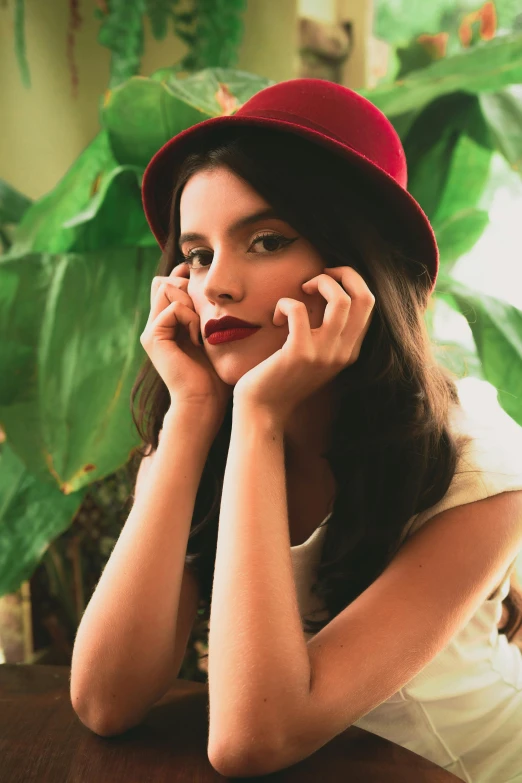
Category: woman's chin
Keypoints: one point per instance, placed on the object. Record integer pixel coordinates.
(232, 368)
(231, 375)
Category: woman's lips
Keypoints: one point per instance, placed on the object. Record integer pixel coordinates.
(227, 335)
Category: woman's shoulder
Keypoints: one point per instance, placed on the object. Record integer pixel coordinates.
(490, 454)
(493, 447)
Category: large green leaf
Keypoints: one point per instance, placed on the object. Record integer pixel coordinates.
(122, 32)
(466, 181)
(503, 112)
(449, 155)
(458, 233)
(429, 159)
(69, 355)
(458, 359)
(32, 514)
(41, 229)
(448, 145)
(96, 205)
(497, 332)
(484, 68)
(403, 122)
(114, 217)
(201, 89)
(142, 114)
(13, 204)
(398, 21)
(457, 356)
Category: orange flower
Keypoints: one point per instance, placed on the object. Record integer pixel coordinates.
(487, 16)
(488, 21)
(435, 44)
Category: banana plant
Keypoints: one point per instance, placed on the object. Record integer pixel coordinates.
(75, 277)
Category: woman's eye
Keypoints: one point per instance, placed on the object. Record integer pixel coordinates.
(275, 241)
(272, 243)
(188, 259)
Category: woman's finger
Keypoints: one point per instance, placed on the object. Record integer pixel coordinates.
(165, 290)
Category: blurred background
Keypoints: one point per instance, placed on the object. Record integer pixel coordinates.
(89, 91)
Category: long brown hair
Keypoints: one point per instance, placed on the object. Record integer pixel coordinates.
(393, 454)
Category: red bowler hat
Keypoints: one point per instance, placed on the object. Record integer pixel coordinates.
(326, 113)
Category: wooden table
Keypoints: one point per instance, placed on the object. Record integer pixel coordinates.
(43, 740)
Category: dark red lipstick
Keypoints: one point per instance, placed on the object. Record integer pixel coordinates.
(227, 322)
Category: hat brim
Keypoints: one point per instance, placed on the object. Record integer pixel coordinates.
(417, 237)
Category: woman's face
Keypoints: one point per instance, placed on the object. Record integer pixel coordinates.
(241, 265)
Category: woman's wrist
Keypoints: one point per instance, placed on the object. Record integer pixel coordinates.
(196, 417)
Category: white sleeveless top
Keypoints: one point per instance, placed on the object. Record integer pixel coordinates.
(463, 711)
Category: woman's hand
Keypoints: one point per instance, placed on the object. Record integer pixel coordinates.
(310, 358)
(171, 339)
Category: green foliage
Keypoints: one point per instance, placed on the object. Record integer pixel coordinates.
(74, 299)
(211, 29)
(502, 111)
(13, 205)
(159, 13)
(141, 115)
(213, 33)
(122, 32)
(421, 33)
(20, 49)
(70, 350)
(487, 67)
(79, 214)
(448, 150)
(398, 21)
(31, 515)
(497, 332)
(75, 277)
(457, 234)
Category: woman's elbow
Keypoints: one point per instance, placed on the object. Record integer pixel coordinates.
(98, 722)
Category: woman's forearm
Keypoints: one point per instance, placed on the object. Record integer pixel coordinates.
(259, 668)
(124, 650)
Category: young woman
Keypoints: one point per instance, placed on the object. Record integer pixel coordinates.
(319, 486)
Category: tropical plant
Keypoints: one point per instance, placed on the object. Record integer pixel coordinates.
(77, 265)
(465, 22)
(76, 271)
(211, 29)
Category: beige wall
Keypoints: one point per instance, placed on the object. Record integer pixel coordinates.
(270, 40)
(322, 10)
(360, 14)
(45, 128)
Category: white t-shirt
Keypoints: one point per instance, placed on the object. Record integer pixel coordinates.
(463, 711)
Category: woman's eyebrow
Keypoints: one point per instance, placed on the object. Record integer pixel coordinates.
(263, 214)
